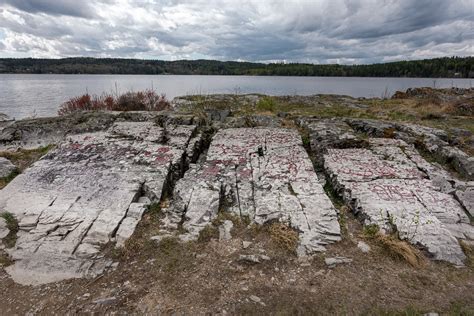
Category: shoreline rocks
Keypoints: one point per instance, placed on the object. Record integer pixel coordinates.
(94, 187)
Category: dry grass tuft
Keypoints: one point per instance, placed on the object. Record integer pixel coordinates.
(401, 250)
(284, 236)
(469, 251)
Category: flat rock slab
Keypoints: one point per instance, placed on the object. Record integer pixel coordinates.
(85, 194)
(388, 185)
(262, 173)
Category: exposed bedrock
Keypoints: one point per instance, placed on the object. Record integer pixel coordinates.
(433, 140)
(389, 184)
(262, 173)
(89, 191)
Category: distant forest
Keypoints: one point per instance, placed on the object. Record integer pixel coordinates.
(448, 67)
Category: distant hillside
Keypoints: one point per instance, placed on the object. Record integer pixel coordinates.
(448, 67)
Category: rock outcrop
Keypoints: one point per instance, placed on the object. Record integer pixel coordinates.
(390, 185)
(262, 173)
(90, 191)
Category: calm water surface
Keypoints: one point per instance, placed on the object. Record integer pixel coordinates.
(40, 95)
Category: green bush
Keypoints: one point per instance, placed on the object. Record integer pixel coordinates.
(266, 104)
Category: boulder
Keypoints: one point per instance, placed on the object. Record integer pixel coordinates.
(6, 167)
(225, 229)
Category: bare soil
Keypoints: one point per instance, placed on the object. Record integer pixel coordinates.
(207, 277)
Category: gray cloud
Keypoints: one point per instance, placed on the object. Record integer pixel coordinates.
(63, 7)
(325, 31)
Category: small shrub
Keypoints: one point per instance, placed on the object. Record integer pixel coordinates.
(147, 100)
(306, 141)
(284, 236)
(371, 230)
(207, 233)
(461, 108)
(12, 224)
(389, 132)
(5, 180)
(333, 195)
(469, 251)
(266, 104)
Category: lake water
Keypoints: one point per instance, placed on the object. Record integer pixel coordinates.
(40, 95)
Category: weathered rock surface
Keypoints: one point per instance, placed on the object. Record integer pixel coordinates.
(333, 262)
(6, 167)
(433, 140)
(225, 230)
(465, 195)
(330, 133)
(262, 173)
(85, 194)
(4, 231)
(95, 186)
(386, 185)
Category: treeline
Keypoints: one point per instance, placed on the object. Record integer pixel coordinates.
(448, 67)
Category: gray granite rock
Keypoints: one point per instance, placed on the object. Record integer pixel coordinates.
(363, 247)
(384, 186)
(4, 231)
(84, 194)
(262, 173)
(330, 133)
(333, 262)
(6, 167)
(466, 198)
(225, 229)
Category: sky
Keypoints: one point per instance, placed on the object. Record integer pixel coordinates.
(315, 31)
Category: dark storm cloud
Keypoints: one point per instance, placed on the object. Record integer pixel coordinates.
(54, 7)
(325, 31)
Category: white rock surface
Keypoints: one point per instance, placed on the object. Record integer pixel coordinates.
(4, 231)
(386, 185)
(83, 195)
(332, 262)
(263, 173)
(363, 246)
(225, 229)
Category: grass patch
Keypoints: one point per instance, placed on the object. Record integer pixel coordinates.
(401, 250)
(6, 180)
(155, 212)
(371, 230)
(12, 224)
(23, 158)
(266, 104)
(284, 236)
(394, 247)
(174, 255)
(469, 251)
(332, 194)
(306, 140)
(207, 233)
(408, 311)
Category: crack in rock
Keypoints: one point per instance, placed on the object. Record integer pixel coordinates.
(263, 180)
(386, 186)
(84, 194)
